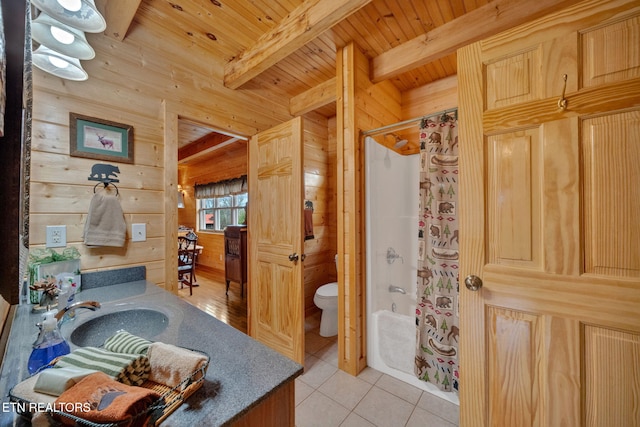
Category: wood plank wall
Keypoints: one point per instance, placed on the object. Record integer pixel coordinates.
(319, 182)
(61, 192)
(437, 96)
(128, 83)
(361, 106)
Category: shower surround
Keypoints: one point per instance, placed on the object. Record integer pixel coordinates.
(392, 188)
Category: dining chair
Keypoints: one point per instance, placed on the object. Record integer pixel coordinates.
(187, 253)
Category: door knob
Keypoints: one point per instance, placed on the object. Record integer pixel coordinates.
(473, 283)
(293, 257)
(302, 257)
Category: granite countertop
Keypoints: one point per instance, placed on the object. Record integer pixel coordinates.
(242, 372)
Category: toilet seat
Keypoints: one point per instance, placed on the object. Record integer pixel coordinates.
(330, 290)
(326, 299)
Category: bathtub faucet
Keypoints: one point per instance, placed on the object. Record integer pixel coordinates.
(397, 289)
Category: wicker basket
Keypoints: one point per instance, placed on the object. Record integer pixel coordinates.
(170, 399)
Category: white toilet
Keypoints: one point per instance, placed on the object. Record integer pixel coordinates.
(326, 299)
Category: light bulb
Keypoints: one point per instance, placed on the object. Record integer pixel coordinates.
(71, 5)
(57, 62)
(63, 36)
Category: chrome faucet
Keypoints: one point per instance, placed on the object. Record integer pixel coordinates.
(91, 305)
(397, 289)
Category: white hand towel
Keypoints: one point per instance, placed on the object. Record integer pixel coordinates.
(105, 225)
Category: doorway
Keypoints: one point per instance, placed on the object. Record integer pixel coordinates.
(204, 154)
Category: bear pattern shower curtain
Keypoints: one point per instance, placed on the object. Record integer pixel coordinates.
(436, 358)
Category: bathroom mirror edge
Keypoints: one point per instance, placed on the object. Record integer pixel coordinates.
(11, 161)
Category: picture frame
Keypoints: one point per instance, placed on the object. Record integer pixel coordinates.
(99, 139)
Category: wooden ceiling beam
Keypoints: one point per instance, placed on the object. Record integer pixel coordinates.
(303, 24)
(490, 19)
(119, 16)
(314, 98)
(205, 143)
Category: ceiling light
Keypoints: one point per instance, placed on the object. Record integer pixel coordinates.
(72, 5)
(58, 64)
(61, 38)
(80, 14)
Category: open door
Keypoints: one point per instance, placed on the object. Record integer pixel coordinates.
(550, 210)
(276, 290)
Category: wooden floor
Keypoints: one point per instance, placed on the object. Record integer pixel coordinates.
(210, 297)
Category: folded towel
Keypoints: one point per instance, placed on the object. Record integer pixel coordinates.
(24, 391)
(170, 365)
(131, 369)
(99, 399)
(56, 381)
(105, 224)
(124, 342)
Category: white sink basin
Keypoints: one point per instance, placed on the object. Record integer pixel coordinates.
(143, 322)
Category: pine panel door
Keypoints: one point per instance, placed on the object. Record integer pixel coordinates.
(276, 289)
(550, 221)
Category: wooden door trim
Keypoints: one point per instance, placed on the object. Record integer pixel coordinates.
(473, 406)
(170, 197)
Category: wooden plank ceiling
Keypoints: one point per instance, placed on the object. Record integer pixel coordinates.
(289, 47)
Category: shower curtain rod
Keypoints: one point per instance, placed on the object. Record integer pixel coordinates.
(405, 123)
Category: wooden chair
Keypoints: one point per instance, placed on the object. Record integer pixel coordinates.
(187, 253)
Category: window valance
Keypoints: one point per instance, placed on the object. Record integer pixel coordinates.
(221, 188)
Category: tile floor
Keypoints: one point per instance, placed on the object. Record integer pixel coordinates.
(327, 396)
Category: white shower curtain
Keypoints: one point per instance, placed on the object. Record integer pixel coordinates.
(437, 311)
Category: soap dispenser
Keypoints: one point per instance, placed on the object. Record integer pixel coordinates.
(49, 343)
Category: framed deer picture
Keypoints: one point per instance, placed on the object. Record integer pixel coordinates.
(100, 139)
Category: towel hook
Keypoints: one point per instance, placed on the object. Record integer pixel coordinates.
(106, 184)
(563, 102)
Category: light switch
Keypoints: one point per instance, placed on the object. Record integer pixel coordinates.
(138, 232)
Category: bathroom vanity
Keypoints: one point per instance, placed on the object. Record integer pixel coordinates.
(247, 383)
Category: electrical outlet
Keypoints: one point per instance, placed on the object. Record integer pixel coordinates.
(138, 232)
(56, 236)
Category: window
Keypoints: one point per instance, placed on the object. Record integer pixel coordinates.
(216, 213)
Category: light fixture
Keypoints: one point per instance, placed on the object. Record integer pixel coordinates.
(61, 37)
(80, 14)
(180, 199)
(58, 64)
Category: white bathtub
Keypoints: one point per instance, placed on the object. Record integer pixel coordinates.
(392, 188)
(391, 342)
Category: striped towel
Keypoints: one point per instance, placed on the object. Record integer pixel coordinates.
(124, 342)
(130, 369)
